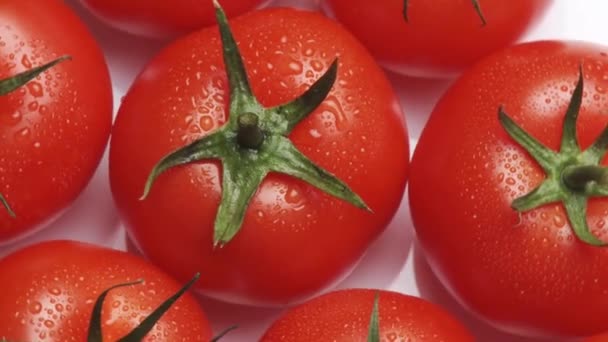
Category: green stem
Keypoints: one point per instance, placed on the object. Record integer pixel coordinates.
(578, 177)
(249, 134)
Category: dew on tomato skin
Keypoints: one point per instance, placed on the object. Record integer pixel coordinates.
(35, 307)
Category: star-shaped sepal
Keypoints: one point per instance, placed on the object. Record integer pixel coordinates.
(572, 175)
(254, 142)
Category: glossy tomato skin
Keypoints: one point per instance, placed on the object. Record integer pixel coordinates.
(53, 131)
(161, 18)
(598, 338)
(295, 240)
(50, 289)
(345, 315)
(530, 274)
(442, 38)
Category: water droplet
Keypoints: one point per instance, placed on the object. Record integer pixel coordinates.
(206, 123)
(33, 106)
(559, 221)
(22, 133)
(296, 67)
(317, 65)
(35, 307)
(25, 61)
(35, 89)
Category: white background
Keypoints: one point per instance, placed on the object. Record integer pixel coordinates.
(394, 261)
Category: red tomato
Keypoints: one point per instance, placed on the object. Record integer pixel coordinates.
(50, 288)
(296, 240)
(598, 338)
(441, 37)
(162, 18)
(529, 265)
(54, 129)
(345, 316)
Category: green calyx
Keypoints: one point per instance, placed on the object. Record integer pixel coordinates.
(137, 334)
(13, 83)
(254, 142)
(572, 175)
(374, 322)
(475, 3)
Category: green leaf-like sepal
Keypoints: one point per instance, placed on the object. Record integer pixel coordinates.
(95, 330)
(254, 143)
(15, 82)
(148, 323)
(136, 335)
(374, 321)
(572, 175)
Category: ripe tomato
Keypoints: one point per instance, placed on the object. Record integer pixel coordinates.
(50, 289)
(53, 130)
(345, 316)
(295, 240)
(441, 37)
(527, 265)
(161, 18)
(598, 338)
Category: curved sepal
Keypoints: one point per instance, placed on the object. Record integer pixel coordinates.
(138, 334)
(543, 155)
(306, 103)
(15, 82)
(6, 206)
(288, 160)
(240, 90)
(237, 190)
(95, 334)
(576, 207)
(545, 193)
(569, 140)
(208, 147)
(374, 321)
(477, 7)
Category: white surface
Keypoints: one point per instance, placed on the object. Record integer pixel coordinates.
(394, 261)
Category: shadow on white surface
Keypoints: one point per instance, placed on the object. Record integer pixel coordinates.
(432, 290)
(91, 218)
(386, 257)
